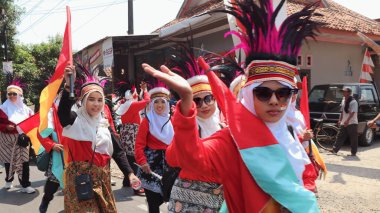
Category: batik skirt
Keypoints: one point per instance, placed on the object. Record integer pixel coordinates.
(103, 200)
(157, 163)
(12, 153)
(128, 134)
(195, 196)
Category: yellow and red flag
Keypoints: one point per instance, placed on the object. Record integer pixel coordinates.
(49, 93)
(30, 127)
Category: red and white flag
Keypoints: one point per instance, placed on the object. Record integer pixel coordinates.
(367, 65)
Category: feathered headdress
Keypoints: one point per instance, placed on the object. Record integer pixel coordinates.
(157, 88)
(89, 79)
(14, 83)
(271, 53)
(184, 63)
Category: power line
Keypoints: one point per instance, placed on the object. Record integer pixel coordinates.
(41, 18)
(92, 18)
(79, 8)
(34, 7)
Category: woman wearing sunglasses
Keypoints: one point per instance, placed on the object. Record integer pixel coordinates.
(256, 158)
(192, 192)
(14, 156)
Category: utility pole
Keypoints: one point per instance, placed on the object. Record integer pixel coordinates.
(130, 17)
(4, 20)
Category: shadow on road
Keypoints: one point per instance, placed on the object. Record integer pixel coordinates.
(338, 179)
(123, 194)
(15, 197)
(354, 170)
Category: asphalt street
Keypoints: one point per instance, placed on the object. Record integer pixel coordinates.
(14, 201)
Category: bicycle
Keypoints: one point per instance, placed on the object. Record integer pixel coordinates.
(325, 134)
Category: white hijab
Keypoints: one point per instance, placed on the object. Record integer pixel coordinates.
(90, 128)
(295, 118)
(292, 147)
(125, 106)
(156, 123)
(17, 111)
(209, 125)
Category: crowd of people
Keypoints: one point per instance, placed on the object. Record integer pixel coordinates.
(241, 147)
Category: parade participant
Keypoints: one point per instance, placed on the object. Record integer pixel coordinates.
(348, 123)
(296, 119)
(154, 135)
(195, 193)
(52, 145)
(236, 86)
(256, 158)
(88, 141)
(14, 147)
(119, 155)
(130, 119)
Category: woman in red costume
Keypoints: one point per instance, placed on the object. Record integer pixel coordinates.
(258, 161)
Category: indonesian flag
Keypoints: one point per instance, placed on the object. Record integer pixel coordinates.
(49, 93)
(30, 127)
(367, 65)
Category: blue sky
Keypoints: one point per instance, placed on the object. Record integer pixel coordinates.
(96, 19)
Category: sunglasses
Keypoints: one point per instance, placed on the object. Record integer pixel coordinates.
(208, 100)
(264, 94)
(12, 94)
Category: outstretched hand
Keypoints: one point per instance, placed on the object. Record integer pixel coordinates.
(176, 83)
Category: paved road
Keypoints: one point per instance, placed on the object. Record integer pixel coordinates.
(14, 201)
(352, 185)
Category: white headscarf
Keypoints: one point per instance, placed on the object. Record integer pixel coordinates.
(209, 125)
(294, 151)
(17, 111)
(157, 122)
(125, 106)
(90, 128)
(295, 118)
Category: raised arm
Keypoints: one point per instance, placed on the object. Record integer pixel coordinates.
(66, 116)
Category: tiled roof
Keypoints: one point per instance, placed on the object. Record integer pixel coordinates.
(338, 17)
(210, 5)
(335, 16)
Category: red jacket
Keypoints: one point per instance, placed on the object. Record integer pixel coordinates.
(145, 139)
(4, 122)
(132, 116)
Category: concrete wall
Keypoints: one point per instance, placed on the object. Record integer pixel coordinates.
(330, 62)
(214, 42)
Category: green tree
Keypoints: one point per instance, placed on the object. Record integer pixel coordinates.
(10, 15)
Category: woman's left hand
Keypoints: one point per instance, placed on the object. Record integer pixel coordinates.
(146, 168)
(58, 147)
(133, 178)
(308, 135)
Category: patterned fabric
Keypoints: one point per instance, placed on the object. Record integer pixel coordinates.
(12, 153)
(103, 200)
(128, 134)
(49, 173)
(195, 196)
(157, 163)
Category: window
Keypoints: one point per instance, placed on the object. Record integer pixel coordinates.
(317, 95)
(299, 60)
(367, 95)
(309, 61)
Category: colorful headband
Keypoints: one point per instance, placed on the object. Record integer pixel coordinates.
(159, 92)
(14, 88)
